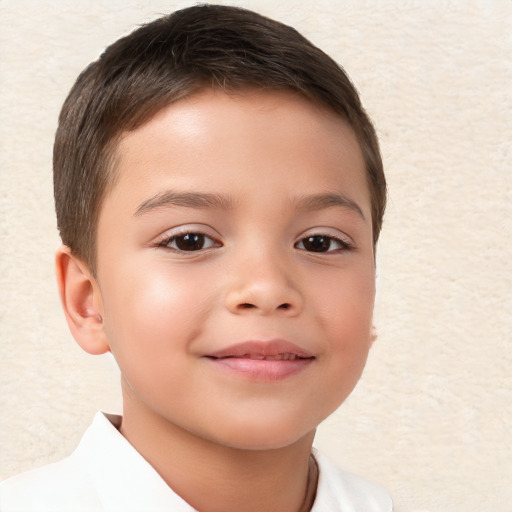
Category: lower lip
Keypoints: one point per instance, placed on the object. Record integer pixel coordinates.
(262, 369)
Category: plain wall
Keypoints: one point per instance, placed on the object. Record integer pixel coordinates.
(431, 419)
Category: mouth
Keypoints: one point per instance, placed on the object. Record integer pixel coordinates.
(262, 361)
(287, 356)
(263, 350)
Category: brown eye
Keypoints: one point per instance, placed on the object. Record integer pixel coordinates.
(190, 242)
(321, 243)
(317, 243)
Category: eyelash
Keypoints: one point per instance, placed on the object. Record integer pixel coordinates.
(323, 241)
(344, 245)
(167, 242)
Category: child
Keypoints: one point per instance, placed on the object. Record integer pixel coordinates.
(219, 194)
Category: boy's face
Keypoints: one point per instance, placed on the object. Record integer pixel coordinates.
(236, 268)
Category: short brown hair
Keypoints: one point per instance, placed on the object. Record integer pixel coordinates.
(173, 57)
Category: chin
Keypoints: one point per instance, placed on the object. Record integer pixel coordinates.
(264, 435)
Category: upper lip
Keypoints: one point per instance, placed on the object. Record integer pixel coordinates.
(261, 349)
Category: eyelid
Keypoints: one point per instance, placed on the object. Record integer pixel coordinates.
(342, 239)
(185, 229)
(328, 232)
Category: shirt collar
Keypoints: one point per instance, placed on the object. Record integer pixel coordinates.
(123, 479)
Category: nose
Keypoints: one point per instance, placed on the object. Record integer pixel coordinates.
(263, 286)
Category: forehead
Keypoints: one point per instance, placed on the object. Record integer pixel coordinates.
(212, 136)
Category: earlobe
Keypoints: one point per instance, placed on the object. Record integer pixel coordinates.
(373, 335)
(81, 300)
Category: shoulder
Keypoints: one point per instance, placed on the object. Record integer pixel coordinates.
(104, 473)
(340, 490)
(65, 486)
(49, 489)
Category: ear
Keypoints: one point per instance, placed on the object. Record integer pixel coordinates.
(81, 300)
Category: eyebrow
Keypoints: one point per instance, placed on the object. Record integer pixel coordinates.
(184, 199)
(208, 200)
(328, 200)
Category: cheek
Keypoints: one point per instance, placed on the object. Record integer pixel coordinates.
(150, 322)
(148, 314)
(348, 304)
(347, 319)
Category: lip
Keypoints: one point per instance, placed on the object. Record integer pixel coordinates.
(271, 360)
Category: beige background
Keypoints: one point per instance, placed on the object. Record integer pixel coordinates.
(431, 419)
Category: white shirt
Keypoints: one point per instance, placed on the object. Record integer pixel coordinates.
(106, 474)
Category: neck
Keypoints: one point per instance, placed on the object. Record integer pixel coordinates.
(216, 478)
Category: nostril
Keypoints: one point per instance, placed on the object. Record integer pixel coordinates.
(285, 306)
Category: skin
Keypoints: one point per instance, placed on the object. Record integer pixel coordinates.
(225, 440)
